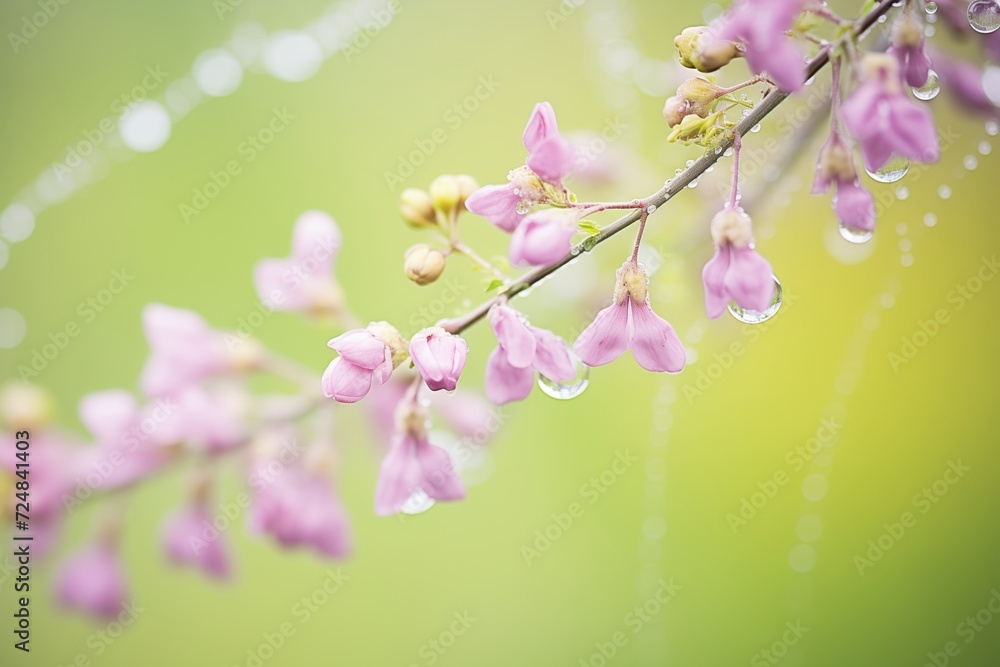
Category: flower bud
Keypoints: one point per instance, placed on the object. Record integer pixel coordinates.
(836, 163)
(24, 406)
(632, 282)
(674, 110)
(416, 207)
(466, 186)
(700, 94)
(699, 50)
(732, 225)
(446, 193)
(423, 264)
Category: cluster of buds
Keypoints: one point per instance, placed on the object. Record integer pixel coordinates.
(438, 207)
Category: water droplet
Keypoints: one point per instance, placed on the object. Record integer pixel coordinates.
(930, 89)
(852, 235)
(756, 317)
(970, 162)
(931, 8)
(992, 127)
(564, 391)
(755, 128)
(689, 163)
(984, 16)
(418, 503)
(651, 208)
(522, 207)
(693, 184)
(985, 148)
(902, 192)
(891, 171)
(729, 151)
(718, 150)
(944, 192)
(930, 220)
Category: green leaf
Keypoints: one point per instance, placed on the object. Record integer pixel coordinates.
(494, 284)
(589, 227)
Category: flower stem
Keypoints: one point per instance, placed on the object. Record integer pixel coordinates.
(463, 249)
(734, 196)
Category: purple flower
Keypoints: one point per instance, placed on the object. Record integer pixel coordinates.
(884, 120)
(299, 509)
(853, 204)
(963, 80)
(630, 323)
(543, 237)
(439, 356)
(550, 159)
(760, 27)
(303, 281)
(736, 272)
(413, 465)
(190, 539)
(92, 581)
(522, 350)
(908, 48)
(184, 350)
(366, 357)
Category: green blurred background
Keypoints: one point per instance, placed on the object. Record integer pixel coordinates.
(703, 441)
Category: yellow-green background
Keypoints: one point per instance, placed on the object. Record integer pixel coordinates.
(353, 120)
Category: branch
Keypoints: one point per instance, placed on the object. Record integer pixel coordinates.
(768, 104)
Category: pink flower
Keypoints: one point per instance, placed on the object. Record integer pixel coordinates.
(549, 154)
(760, 27)
(736, 272)
(190, 539)
(550, 159)
(854, 206)
(304, 280)
(128, 440)
(963, 80)
(199, 417)
(439, 356)
(629, 322)
(298, 508)
(543, 237)
(184, 350)
(908, 48)
(366, 357)
(413, 465)
(522, 350)
(92, 581)
(884, 120)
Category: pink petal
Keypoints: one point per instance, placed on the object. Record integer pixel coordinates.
(440, 358)
(713, 276)
(108, 414)
(362, 348)
(606, 338)
(345, 382)
(654, 344)
(855, 206)
(504, 382)
(513, 335)
(399, 476)
(316, 239)
(552, 159)
(750, 280)
(439, 477)
(498, 204)
(551, 356)
(541, 126)
(542, 238)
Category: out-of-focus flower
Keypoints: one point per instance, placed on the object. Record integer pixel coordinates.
(760, 27)
(304, 280)
(884, 119)
(92, 581)
(736, 272)
(698, 50)
(367, 356)
(299, 509)
(184, 350)
(439, 356)
(630, 323)
(423, 264)
(908, 48)
(189, 539)
(963, 80)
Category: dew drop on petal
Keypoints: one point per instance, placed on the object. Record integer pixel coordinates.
(891, 171)
(930, 89)
(418, 503)
(852, 235)
(931, 8)
(570, 389)
(748, 316)
(984, 16)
